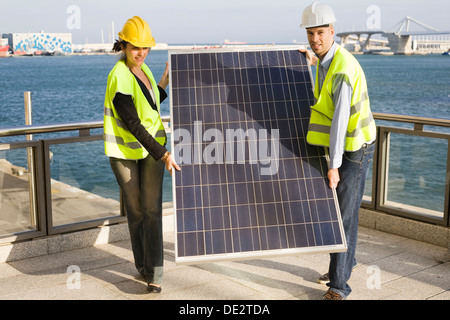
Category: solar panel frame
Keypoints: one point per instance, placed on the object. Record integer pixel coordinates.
(198, 227)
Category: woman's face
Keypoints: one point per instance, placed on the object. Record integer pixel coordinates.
(135, 55)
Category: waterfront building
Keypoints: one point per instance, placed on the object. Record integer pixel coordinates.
(31, 43)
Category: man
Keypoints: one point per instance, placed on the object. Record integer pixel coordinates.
(341, 120)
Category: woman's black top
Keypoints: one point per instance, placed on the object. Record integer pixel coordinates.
(127, 111)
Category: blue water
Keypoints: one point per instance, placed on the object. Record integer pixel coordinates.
(67, 89)
(64, 88)
(409, 85)
(71, 88)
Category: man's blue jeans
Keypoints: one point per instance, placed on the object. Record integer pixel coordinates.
(350, 190)
(141, 184)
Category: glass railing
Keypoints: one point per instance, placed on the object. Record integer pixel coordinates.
(56, 181)
(61, 181)
(17, 201)
(410, 175)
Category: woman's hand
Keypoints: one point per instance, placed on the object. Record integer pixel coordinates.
(165, 77)
(170, 163)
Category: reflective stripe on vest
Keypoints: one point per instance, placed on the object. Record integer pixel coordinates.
(361, 126)
(121, 124)
(119, 141)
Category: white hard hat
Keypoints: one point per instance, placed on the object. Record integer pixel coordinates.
(317, 14)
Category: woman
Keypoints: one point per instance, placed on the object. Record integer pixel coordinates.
(135, 142)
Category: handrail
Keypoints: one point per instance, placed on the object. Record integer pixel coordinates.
(48, 128)
(412, 119)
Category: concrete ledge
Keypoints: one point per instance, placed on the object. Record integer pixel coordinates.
(408, 228)
(74, 240)
(63, 242)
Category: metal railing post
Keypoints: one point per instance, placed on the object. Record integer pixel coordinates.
(30, 159)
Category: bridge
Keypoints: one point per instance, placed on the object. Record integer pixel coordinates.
(401, 39)
(363, 42)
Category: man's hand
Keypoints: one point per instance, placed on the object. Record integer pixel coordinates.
(311, 57)
(333, 178)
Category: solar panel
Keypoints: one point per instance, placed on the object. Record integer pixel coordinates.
(250, 186)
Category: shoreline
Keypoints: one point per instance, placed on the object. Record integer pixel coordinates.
(96, 51)
(90, 52)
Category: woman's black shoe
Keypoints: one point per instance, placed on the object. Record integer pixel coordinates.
(152, 288)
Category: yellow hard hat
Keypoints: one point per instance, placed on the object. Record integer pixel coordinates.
(137, 32)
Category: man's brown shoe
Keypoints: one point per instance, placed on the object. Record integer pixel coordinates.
(331, 295)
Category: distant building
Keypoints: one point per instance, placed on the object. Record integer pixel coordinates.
(45, 42)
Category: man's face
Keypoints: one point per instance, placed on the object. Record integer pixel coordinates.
(320, 40)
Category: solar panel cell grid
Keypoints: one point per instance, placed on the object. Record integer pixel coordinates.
(250, 185)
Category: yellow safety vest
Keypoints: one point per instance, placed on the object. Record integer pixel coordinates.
(361, 126)
(119, 142)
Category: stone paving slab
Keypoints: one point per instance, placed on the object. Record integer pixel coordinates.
(389, 267)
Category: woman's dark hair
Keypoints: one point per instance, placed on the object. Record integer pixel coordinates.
(119, 45)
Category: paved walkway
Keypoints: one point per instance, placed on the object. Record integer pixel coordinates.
(389, 267)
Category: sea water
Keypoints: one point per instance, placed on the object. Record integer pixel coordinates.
(68, 89)
(72, 89)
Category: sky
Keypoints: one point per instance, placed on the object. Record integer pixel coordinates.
(209, 21)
